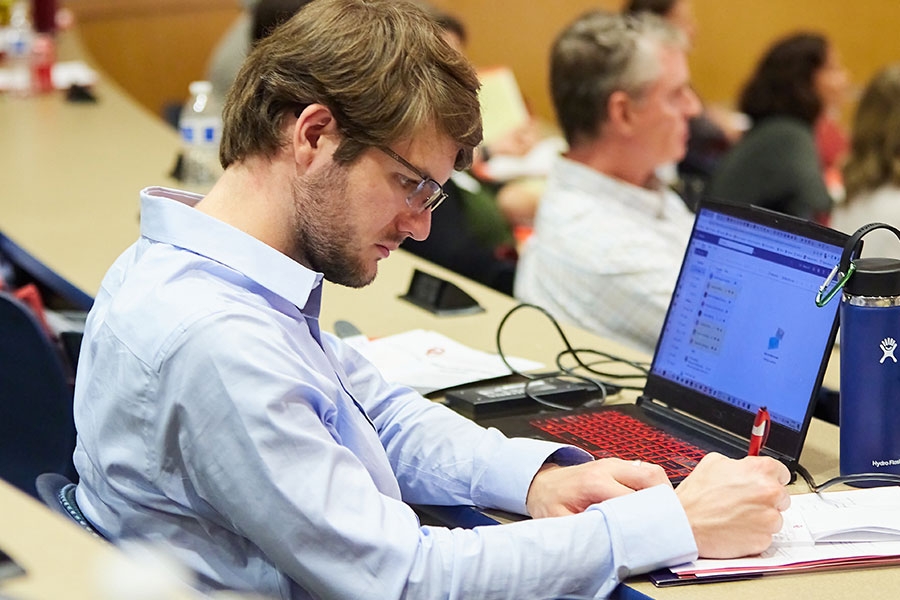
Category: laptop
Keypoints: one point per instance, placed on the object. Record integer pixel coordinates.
(742, 332)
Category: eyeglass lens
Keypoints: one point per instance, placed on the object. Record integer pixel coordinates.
(428, 195)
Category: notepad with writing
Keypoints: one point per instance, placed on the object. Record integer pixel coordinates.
(821, 531)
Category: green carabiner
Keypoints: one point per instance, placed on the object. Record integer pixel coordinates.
(822, 301)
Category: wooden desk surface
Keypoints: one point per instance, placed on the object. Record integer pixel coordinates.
(72, 173)
(59, 558)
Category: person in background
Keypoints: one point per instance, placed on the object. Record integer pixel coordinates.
(231, 50)
(215, 416)
(776, 163)
(513, 198)
(714, 130)
(269, 14)
(871, 173)
(832, 138)
(609, 237)
(679, 13)
(257, 20)
(472, 237)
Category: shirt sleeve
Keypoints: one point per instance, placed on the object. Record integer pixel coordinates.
(587, 554)
(263, 462)
(441, 457)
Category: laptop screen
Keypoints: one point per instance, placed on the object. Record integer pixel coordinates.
(743, 329)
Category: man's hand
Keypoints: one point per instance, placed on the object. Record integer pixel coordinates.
(734, 506)
(556, 491)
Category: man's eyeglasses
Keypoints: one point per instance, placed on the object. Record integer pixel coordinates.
(428, 195)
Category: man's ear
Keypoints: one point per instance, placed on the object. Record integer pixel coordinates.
(315, 135)
(620, 112)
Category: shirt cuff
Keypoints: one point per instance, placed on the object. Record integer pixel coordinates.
(513, 463)
(648, 530)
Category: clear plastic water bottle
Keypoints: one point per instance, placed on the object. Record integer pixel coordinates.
(200, 124)
(19, 37)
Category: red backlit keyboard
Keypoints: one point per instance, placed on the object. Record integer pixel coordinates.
(614, 434)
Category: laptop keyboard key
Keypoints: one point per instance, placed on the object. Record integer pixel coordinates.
(614, 434)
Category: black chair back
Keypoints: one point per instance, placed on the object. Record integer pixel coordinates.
(37, 431)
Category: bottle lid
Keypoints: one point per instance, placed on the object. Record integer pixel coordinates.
(200, 87)
(874, 277)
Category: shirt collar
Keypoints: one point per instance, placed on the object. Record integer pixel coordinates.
(576, 175)
(168, 216)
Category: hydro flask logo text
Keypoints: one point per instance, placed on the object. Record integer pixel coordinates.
(888, 345)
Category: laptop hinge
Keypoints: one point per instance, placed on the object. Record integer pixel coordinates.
(707, 430)
(686, 422)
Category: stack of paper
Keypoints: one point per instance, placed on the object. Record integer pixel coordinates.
(821, 531)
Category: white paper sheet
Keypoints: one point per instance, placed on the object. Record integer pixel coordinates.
(429, 361)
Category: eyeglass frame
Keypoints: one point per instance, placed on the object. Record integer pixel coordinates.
(434, 199)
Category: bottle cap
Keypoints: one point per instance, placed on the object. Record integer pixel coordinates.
(874, 276)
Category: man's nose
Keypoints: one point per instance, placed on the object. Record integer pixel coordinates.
(417, 225)
(693, 105)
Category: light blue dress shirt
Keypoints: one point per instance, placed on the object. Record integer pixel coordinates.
(214, 415)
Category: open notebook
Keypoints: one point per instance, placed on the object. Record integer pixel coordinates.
(742, 331)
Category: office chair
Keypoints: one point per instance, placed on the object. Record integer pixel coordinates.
(37, 430)
(58, 493)
(19, 268)
(56, 291)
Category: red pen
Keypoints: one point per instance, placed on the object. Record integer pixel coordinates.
(760, 431)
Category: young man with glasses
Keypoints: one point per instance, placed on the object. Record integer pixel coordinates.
(214, 416)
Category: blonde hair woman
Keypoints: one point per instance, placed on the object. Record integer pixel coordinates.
(872, 170)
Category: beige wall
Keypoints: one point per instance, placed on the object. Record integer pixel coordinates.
(732, 35)
(155, 47)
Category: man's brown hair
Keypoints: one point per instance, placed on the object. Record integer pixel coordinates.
(380, 66)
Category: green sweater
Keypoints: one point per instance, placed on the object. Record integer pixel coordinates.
(775, 165)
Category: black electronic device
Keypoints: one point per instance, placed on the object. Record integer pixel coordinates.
(439, 296)
(511, 398)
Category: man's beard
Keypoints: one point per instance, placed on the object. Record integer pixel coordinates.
(324, 238)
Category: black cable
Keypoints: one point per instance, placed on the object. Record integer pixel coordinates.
(535, 397)
(854, 478)
(564, 371)
(606, 358)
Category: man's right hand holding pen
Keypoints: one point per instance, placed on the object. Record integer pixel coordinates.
(734, 506)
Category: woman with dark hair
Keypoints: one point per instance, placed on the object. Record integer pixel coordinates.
(776, 164)
(872, 170)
